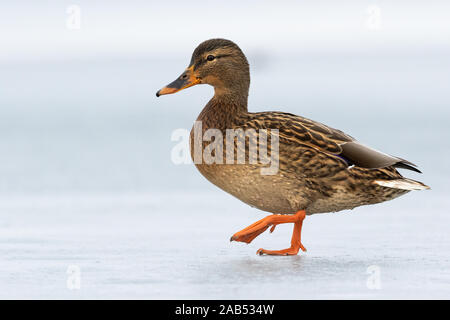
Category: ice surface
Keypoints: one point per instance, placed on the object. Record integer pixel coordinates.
(170, 246)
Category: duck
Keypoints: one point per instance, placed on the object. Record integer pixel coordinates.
(318, 169)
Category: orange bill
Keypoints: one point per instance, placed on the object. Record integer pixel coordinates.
(186, 80)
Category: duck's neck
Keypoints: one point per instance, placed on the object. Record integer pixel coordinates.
(223, 109)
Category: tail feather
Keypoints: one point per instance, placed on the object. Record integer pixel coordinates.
(404, 184)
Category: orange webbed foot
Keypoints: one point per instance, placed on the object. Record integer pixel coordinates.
(251, 232)
(291, 251)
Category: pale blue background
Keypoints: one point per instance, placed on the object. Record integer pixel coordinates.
(86, 177)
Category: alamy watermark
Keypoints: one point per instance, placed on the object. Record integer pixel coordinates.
(374, 280)
(73, 21)
(73, 281)
(252, 147)
(373, 21)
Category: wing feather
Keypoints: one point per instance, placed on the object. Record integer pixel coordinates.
(307, 132)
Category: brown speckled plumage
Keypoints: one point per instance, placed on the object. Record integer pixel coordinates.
(310, 176)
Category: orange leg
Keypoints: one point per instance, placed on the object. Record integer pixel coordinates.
(251, 232)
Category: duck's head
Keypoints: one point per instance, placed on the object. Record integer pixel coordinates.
(217, 62)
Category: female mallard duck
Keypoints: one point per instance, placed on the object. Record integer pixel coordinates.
(320, 169)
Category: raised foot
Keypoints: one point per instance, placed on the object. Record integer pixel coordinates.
(251, 232)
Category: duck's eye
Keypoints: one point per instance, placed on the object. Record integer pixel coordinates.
(210, 57)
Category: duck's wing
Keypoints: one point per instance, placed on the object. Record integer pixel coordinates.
(297, 129)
